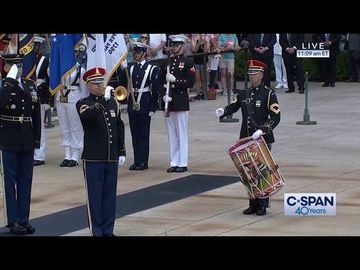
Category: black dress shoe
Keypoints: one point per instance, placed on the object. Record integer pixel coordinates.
(325, 85)
(30, 229)
(64, 163)
(261, 211)
(301, 91)
(172, 169)
(290, 91)
(38, 162)
(16, 229)
(132, 167)
(332, 84)
(72, 163)
(181, 169)
(249, 211)
(141, 167)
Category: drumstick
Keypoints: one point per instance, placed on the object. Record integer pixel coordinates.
(244, 139)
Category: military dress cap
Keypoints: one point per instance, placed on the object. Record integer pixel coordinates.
(12, 58)
(38, 39)
(176, 39)
(139, 46)
(94, 75)
(255, 66)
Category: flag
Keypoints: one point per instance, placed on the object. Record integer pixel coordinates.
(95, 51)
(26, 48)
(62, 59)
(115, 53)
(111, 47)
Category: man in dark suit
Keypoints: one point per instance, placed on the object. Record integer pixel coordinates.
(261, 47)
(142, 104)
(260, 113)
(328, 65)
(104, 150)
(179, 72)
(353, 49)
(290, 43)
(20, 132)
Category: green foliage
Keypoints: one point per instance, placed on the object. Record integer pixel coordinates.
(311, 65)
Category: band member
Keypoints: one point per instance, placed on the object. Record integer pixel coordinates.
(104, 150)
(179, 71)
(260, 113)
(69, 121)
(142, 104)
(20, 131)
(42, 84)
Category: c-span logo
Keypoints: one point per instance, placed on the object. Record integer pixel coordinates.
(310, 204)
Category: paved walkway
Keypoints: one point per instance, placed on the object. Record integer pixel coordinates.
(317, 158)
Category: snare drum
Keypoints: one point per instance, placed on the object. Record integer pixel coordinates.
(257, 169)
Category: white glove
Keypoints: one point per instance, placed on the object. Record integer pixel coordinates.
(170, 77)
(219, 112)
(46, 107)
(121, 160)
(13, 72)
(151, 113)
(256, 135)
(108, 91)
(166, 98)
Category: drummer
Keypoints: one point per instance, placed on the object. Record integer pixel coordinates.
(260, 113)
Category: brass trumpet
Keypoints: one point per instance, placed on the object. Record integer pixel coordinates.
(120, 93)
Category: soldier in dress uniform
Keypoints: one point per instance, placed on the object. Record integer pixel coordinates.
(142, 104)
(179, 71)
(70, 126)
(42, 84)
(104, 150)
(260, 113)
(20, 131)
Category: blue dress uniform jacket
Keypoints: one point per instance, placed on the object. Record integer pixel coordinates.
(264, 108)
(149, 100)
(103, 129)
(20, 121)
(183, 69)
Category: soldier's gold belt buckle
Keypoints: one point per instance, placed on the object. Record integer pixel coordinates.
(136, 107)
(21, 119)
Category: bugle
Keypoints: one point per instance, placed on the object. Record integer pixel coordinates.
(120, 93)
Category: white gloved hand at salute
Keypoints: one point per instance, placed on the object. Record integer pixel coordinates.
(13, 72)
(108, 90)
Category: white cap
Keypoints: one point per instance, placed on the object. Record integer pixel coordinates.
(141, 45)
(39, 39)
(178, 38)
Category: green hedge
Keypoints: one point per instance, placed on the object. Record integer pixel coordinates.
(311, 65)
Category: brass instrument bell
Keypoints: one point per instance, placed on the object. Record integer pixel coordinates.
(120, 93)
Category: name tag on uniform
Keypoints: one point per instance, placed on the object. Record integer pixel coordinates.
(112, 113)
(258, 103)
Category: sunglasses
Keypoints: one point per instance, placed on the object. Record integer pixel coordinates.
(144, 37)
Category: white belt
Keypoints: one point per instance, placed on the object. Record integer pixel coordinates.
(146, 89)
